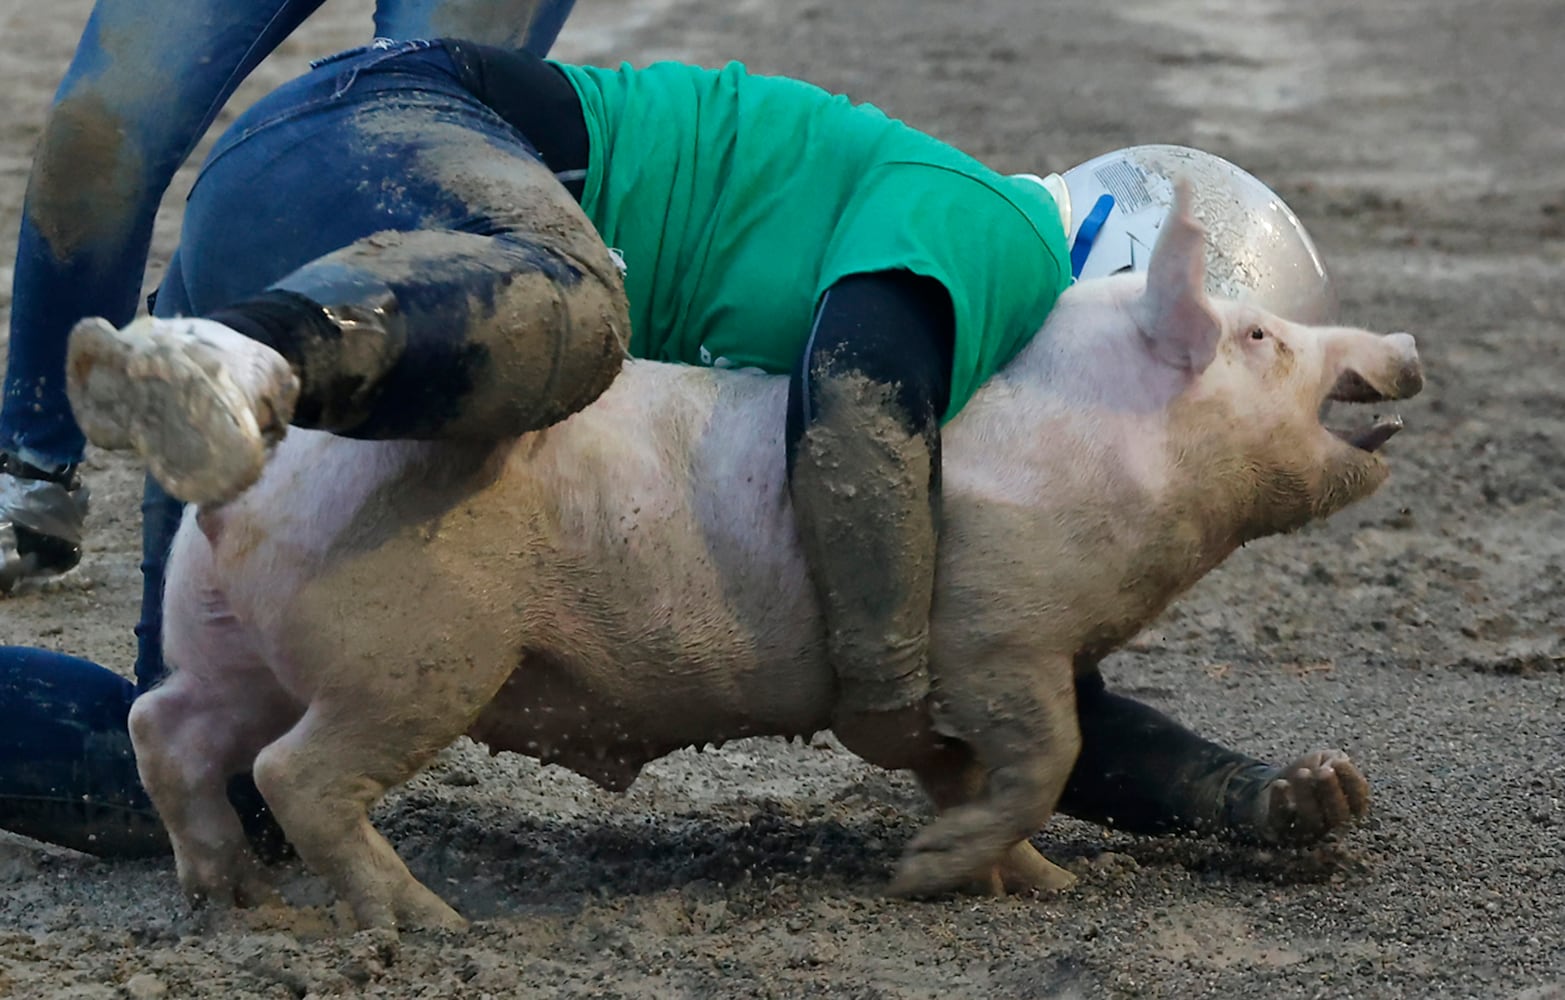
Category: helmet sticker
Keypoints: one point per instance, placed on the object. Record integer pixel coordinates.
(1127, 182)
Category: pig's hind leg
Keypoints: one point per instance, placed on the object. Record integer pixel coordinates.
(197, 730)
(398, 681)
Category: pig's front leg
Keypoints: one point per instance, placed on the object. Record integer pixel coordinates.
(1019, 720)
(1141, 771)
(952, 778)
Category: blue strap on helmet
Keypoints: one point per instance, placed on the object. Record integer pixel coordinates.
(1088, 233)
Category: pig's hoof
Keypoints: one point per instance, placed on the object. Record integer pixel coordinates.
(924, 876)
(1025, 870)
(443, 918)
(1315, 795)
(236, 881)
(935, 865)
(199, 402)
(418, 909)
(257, 893)
(250, 891)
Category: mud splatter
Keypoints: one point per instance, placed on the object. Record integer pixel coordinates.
(86, 178)
(861, 486)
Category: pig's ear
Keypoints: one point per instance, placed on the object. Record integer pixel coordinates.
(1177, 318)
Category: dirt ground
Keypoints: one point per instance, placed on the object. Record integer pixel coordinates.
(1423, 142)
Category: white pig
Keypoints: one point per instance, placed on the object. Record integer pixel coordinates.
(630, 581)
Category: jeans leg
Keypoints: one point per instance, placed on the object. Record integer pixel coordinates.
(160, 517)
(529, 24)
(67, 770)
(147, 79)
(495, 310)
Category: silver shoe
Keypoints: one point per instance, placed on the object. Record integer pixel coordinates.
(41, 518)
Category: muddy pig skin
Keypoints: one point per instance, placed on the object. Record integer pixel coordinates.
(630, 582)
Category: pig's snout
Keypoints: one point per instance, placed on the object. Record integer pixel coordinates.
(1376, 369)
(1409, 378)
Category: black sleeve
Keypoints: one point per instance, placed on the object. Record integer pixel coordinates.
(892, 327)
(533, 96)
(1141, 771)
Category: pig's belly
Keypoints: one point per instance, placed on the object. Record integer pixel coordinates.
(667, 602)
(648, 617)
(559, 713)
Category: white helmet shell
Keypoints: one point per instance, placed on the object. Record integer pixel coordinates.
(1257, 250)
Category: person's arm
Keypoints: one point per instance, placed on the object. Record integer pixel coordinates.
(1143, 772)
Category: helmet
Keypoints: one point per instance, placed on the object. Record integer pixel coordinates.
(1257, 250)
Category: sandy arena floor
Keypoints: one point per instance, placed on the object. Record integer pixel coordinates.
(1423, 142)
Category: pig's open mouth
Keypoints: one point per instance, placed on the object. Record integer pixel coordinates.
(1351, 387)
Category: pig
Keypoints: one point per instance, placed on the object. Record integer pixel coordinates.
(630, 581)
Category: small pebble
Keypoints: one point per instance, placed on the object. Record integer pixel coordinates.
(145, 986)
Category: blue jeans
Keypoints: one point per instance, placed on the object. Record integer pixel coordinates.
(127, 114)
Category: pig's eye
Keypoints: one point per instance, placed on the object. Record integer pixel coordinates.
(1257, 334)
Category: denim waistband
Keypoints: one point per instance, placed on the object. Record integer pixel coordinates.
(333, 79)
(365, 57)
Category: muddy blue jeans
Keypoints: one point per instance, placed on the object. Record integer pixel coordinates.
(148, 78)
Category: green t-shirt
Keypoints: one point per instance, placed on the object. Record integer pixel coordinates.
(738, 200)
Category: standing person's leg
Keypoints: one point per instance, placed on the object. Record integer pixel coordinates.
(436, 281)
(532, 25)
(42, 512)
(864, 466)
(147, 79)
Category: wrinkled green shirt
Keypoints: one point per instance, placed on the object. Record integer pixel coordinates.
(738, 200)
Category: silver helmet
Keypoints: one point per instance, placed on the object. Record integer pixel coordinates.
(1256, 248)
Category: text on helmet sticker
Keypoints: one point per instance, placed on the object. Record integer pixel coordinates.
(1127, 183)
